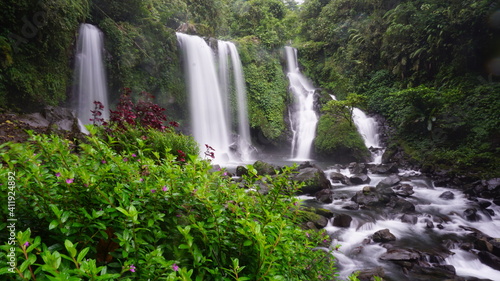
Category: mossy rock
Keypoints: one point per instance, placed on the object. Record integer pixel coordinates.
(338, 139)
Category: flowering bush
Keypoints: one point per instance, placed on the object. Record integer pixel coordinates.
(105, 214)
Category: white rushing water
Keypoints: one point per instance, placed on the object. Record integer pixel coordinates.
(303, 117)
(369, 130)
(228, 50)
(90, 76)
(357, 252)
(208, 114)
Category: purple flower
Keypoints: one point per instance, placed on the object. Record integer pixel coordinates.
(141, 179)
(153, 190)
(27, 244)
(68, 181)
(132, 268)
(175, 267)
(103, 161)
(308, 235)
(58, 174)
(125, 159)
(164, 188)
(134, 155)
(86, 185)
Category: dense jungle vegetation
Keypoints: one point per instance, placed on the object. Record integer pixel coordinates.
(429, 67)
(137, 202)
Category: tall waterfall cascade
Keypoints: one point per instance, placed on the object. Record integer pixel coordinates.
(303, 117)
(90, 75)
(368, 129)
(209, 90)
(228, 50)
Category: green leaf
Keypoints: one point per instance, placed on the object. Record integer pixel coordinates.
(247, 243)
(82, 254)
(31, 260)
(53, 224)
(125, 212)
(70, 247)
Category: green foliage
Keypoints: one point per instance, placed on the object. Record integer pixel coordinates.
(266, 88)
(36, 61)
(265, 19)
(104, 214)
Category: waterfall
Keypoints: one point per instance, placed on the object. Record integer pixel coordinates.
(303, 118)
(369, 131)
(228, 50)
(90, 77)
(207, 104)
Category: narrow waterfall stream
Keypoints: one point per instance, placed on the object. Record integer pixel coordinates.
(303, 117)
(434, 228)
(90, 76)
(228, 50)
(369, 130)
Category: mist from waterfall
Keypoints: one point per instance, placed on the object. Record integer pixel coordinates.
(90, 75)
(226, 51)
(303, 117)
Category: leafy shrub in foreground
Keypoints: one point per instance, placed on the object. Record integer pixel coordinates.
(109, 215)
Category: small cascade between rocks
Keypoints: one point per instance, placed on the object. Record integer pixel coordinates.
(210, 93)
(228, 50)
(403, 227)
(303, 117)
(90, 76)
(368, 129)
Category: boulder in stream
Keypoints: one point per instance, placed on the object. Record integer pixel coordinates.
(342, 220)
(383, 236)
(314, 179)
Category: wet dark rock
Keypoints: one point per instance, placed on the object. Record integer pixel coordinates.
(484, 204)
(324, 196)
(384, 169)
(342, 220)
(401, 206)
(310, 219)
(440, 226)
(372, 197)
(383, 236)
(397, 254)
(264, 168)
(359, 179)
(389, 181)
(241, 171)
(351, 206)
(404, 190)
(407, 218)
(447, 195)
(335, 176)
(368, 274)
(489, 259)
(496, 201)
(314, 179)
(429, 224)
(432, 272)
(471, 214)
(357, 168)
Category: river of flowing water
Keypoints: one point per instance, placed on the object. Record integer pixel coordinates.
(439, 227)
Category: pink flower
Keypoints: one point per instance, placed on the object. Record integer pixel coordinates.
(103, 161)
(125, 159)
(153, 190)
(27, 244)
(164, 188)
(58, 174)
(132, 268)
(175, 267)
(68, 181)
(134, 155)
